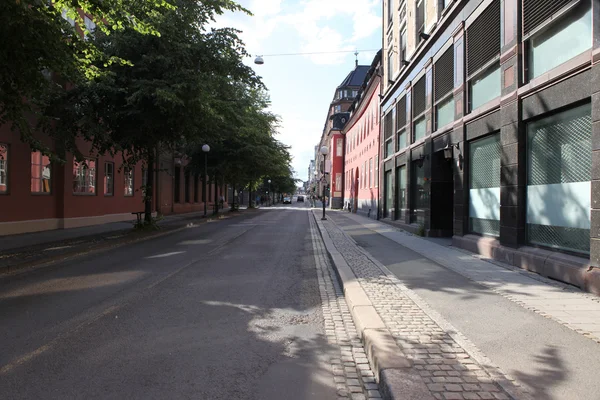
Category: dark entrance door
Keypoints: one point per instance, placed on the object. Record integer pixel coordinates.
(388, 190)
(442, 195)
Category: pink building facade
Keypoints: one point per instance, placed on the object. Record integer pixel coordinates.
(361, 162)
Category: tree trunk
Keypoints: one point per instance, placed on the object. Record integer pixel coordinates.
(149, 189)
(233, 195)
(216, 207)
(250, 195)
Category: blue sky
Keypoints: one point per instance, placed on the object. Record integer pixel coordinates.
(301, 87)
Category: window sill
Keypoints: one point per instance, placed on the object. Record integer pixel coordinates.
(482, 110)
(444, 129)
(84, 194)
(563, 70)
(41, 194)
(109, 195)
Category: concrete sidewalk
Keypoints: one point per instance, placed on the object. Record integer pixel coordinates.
(13, 242)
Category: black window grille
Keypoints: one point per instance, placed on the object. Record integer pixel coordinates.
(401, 113)
(483, 38)
(444, 74)
(536, 12)
(419, 97)
(388, 127)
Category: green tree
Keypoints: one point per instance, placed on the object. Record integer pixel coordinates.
(170, 95)
(40, 50)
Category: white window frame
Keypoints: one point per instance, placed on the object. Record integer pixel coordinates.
(40, 181)
(128, 181)
(85, 176)
(4, 167)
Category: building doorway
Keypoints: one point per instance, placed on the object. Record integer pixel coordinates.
(442, 195)
(388, 190)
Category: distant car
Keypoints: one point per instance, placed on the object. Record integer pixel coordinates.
(300, 199)
(287, 200)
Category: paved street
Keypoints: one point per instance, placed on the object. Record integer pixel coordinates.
(243, 308)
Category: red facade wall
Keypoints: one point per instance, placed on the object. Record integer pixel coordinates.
(19, 203)
(336, 146)
(362, 151)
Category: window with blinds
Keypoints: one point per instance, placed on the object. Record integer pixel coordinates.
(570, 31)
(483, 56)
(388, 129)
(401, 124)
(537, 12)
(419, 128)
(443, 70)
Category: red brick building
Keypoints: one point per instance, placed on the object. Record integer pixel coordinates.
(332, 134)
(361, 133)
(37, 195)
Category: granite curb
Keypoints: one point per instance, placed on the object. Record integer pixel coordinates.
(396, 378)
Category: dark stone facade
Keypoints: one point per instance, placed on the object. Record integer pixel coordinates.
(447, 213)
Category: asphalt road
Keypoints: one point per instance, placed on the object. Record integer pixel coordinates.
(227, 310)
(550, 360)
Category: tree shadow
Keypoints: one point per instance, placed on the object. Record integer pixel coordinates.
(549, 370)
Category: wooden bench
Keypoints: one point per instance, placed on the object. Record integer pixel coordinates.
(138, 214)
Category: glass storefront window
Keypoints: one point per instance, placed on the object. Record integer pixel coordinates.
(485, 87)
(419, 128)
(445, 112)
(559, 165)
(563, 40)
(484, 185)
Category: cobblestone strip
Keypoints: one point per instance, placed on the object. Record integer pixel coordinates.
(352, 374)
(445, 366)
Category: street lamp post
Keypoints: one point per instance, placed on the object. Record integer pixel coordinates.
(324, 150)
(205, 149)
(270, 202)
(314, 189)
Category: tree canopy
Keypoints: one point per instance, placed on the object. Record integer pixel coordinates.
(45, 45)
(178, 89)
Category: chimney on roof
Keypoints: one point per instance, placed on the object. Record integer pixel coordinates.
(356, 62)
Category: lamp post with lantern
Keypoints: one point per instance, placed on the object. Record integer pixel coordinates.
(205, 149)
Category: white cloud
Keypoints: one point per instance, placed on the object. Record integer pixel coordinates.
(263, 8)
(321, 26)
(306, 26)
